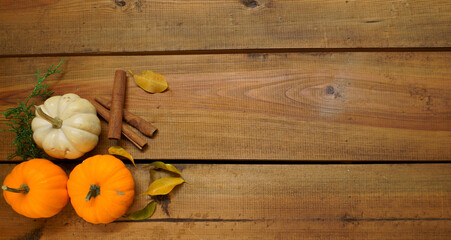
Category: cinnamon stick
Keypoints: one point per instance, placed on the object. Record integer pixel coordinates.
(126, 130)
(117, 105)
(139, 123)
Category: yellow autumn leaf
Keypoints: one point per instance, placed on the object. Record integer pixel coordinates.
(163, 186)
(150, 81)
(165, 166)
(117, 150)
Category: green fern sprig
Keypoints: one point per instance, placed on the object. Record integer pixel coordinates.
(20, 118)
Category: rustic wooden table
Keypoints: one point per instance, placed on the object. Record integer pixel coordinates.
(289, 119)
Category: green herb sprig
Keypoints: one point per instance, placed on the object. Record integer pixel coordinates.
(21, 116)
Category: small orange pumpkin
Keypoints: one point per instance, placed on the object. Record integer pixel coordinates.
(36, 188)
(101, 189)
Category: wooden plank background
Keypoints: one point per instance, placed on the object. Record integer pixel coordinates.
(401, 201)
(264, 82)
(299, 106)
(68, 26)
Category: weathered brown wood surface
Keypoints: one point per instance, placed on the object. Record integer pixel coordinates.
(266, 81)
(272, 202)
(327, 106)
(68, 26)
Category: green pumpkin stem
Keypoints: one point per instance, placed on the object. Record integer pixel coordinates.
(56, 122)
(22, 189)
(94, 191)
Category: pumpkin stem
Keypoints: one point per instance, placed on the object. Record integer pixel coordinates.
(94, 191)
(56, 122)
(22, 189)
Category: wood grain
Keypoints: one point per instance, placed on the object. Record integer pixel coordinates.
(272, 202)
(325, 106)
(68, 26)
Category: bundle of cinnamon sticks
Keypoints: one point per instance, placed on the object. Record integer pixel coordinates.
(113, 112)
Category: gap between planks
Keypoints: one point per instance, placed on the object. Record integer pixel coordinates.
(245, 162)
(233, 51)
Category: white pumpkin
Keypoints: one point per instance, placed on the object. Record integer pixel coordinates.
(66, 126)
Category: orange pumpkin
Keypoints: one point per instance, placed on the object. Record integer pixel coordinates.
(36, 188)
(101, 189)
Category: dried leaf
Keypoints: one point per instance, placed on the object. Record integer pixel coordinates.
(117, 150)
(144, 213)
(150, 81)
(163, 186)
(165, 166)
